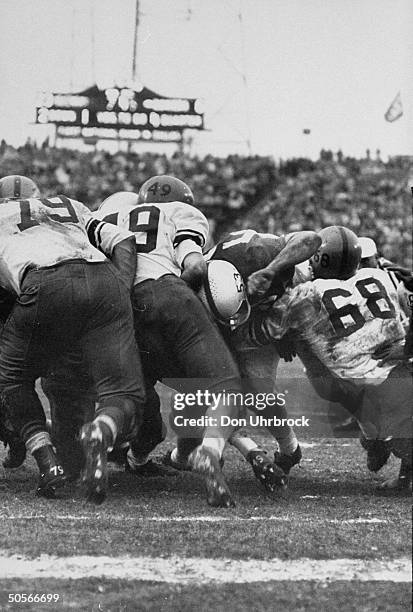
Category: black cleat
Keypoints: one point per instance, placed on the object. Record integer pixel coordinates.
(377, 457)
(378, 452)
(118, 454)
(205, 463)
(52, 476)
(16, 454)
(95, 446)
(270, 475)
(286, 462)
(182, 466)
(151, 469)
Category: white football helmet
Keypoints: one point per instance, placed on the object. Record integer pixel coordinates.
(121, 201)
(224, 294)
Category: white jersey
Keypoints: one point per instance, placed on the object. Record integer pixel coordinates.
(42, 232)
(343, 322)
(165, 234)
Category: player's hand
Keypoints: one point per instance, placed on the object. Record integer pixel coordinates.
(286, 347)
(259, 282)
(403, 274)
(389, 353)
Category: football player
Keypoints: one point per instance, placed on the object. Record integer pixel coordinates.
(267, 264)
(370, 259)
(54, 258)
(176, 336)
(341, 320)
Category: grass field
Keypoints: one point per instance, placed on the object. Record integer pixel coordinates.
(333, 541)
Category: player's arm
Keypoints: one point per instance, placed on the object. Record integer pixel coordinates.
(396, 351)
(194, 270)
(191, 232)
(293, 311)
(116, 243)
(124, 258)
(298, 247)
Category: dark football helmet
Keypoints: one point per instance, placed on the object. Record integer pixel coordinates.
(339, 254)
(16, 187)
(164, 188)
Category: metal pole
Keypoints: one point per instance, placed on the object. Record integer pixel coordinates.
(135, 45)
(92, 27)
(244, 79)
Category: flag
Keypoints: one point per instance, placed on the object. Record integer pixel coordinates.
(395, 110)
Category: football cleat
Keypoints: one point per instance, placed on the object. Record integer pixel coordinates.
(52, 475)
(286, 462)
(207, 465)
(150, 469)
(16, 454)
(270, 475)
(378, 452)
(118, 454)
(164, 188)
(182, 466)
(95, 441)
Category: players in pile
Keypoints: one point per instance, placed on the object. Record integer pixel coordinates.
(267, 263)
(54, 259)
(255, 251)
(177, 338)
(341, 320)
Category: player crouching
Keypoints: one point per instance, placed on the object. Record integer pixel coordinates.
(340, 320)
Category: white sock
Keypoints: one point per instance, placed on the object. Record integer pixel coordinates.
(175, 456)
(109, 422)
(215, 445)
(288, 445)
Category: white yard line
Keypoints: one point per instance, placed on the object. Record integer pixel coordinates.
(177, 570)
(188, 519)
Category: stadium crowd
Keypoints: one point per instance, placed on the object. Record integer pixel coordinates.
(368, 195)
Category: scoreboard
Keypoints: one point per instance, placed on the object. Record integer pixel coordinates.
(119, 113)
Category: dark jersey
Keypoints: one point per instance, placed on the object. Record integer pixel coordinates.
(249, 252)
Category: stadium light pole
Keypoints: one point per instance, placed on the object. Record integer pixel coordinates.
(244, 78)
(135, 44)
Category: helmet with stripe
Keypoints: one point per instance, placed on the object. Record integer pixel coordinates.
(224, 294)
(16, 187)
(339, 254)
(164, 188)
